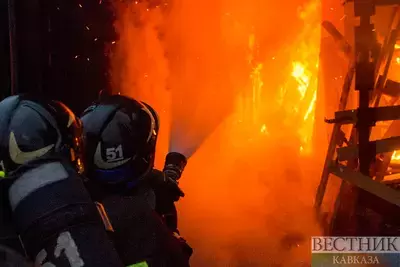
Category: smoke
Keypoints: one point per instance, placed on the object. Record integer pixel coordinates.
(139, 64)
(249, 191)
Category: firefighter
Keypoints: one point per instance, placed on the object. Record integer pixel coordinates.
(121, 135)
(44, 201)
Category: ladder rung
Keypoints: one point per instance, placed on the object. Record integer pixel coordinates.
(382, 146)
(392, 88)
(366, 183)
(386, 2)
(377, 2)
(378, 114)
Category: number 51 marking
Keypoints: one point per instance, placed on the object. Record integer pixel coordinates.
(114, 153)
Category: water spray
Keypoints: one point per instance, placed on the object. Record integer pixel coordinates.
(185, 145)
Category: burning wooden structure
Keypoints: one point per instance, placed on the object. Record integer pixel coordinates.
(368, 197)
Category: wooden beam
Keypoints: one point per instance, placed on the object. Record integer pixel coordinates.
(382, 146)
(366, 183)
(389, 113)
(380, 2)
(386, 2)
(332, 143)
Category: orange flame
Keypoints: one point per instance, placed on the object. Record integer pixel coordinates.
(240, 175)
(395, 157)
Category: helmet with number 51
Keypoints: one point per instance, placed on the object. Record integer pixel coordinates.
(121, 135)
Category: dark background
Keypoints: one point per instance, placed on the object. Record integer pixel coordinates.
(61, 47)
(4, 55)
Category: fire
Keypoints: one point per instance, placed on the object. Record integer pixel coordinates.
(395, 157)
(305, 72)
(297, 98)
(303, 78)
(303, 93)
(249, 101)
(231, 97)
(257, 86)
(264, 129)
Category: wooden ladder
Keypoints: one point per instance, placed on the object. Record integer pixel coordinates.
(344, 155)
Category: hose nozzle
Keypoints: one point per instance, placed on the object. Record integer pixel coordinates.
(174, 165)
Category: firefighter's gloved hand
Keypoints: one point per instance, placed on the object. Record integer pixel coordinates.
(173, 188)
(166, 187)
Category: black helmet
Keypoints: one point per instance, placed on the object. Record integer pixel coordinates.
(121, 135)
(34, 127)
